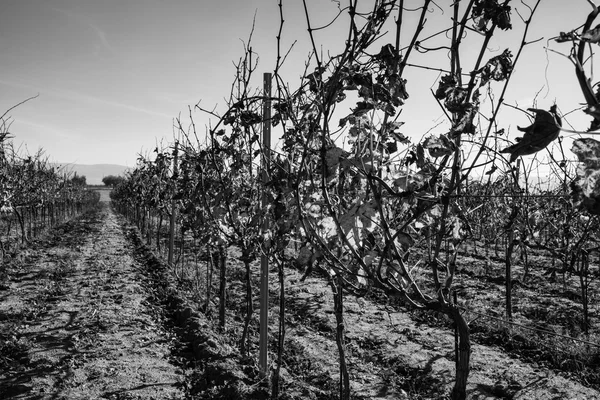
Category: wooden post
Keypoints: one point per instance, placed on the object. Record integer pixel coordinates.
(173, 210)
(264, 260)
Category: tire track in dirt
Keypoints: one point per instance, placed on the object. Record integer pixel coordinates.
(76, 319)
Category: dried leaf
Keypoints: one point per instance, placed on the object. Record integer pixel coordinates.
(447, 83)
(489, 10)
(592, 36)
(456, 100)
(586, 188)
(544, 130)
(304, 256)
(497, 68)
(439, 146)
(332, 156)
(406, 241)
(388, 56)
(369, 258)
(566, 37)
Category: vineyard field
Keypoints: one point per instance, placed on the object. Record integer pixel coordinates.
(395, 352)
(91, 303)
(316, 237)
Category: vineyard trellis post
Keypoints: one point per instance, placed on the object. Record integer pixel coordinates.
(264, 260)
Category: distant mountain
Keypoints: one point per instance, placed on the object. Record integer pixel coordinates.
(94, 173)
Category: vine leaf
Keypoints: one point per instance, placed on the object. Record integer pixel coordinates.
(370, 257)
(456, 100)
(332, 157)
(388, 56)
(485, 11)
(446, 85)
(439, 146)
(594, 111)
(566, 37)
(304, 256)
(541, 133)
(497, 68)
(464, 123)
(405, 240)
(429, 217)
(592, 36)
(586, 187)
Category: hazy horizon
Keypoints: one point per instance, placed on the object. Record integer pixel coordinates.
(94, 172)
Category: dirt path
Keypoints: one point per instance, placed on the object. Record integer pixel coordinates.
(75, 322)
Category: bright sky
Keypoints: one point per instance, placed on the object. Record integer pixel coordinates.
(112, 75)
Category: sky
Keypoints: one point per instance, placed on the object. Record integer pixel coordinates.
(111, 76)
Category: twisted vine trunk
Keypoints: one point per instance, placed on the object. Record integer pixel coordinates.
(281, 335)
(249, 308)
(463, 354)
(148, 226)
(21, 220)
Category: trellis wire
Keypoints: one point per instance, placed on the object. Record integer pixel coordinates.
(536, 196)
(550, 333)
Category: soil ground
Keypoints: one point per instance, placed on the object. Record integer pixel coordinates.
(75, 322)
(88, 312)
